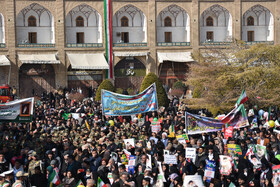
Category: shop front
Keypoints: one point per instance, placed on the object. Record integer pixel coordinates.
(173, 66)
(129, 72)
(86, 72)
(37, 74)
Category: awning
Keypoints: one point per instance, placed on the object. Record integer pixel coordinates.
(38, 59)
(132, 53)
(175, 57)
(88, 61)
(4, 61)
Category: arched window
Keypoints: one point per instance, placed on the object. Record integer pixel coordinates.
(250, 21)
(124, 21)
(79, 21)
(209, 21)
(167, 22)
(32, 22)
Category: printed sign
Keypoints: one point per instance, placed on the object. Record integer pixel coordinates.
(228, 132)
(129, 142)
(234, 148)
(170, 159)
(193, 181)
(131, 164)
(17, 111)
(114, 104)
(225, 165)
(156, 128)
(183, 138)
(149, 161)
(276, 175)
(191, 153)
(210, 169)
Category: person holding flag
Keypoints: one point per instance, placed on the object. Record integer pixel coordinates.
(53, 178)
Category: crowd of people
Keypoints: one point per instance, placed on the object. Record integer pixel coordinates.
(84, 148)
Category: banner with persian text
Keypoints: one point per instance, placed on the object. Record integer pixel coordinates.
(20, 110)
(114, 104)
(196, 124)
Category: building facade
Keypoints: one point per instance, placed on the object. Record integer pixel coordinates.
(51, 44)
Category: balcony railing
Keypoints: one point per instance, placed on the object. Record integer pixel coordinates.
(129, 44)
(260, 42)
(84, 45)
(212, 43)
(36, 45)
(168, 44)
(2, 45)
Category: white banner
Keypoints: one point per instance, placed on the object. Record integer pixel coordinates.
(19, 110)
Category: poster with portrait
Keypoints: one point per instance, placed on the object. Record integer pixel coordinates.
(276, 175)
(193, 181)
(225, 164)
(129, 142)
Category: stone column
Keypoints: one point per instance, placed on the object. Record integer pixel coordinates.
(59, 21)
(152, 37)
(10, 40)
(237, 20)
(195, 25)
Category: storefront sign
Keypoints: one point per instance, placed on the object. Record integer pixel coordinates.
(84, 72)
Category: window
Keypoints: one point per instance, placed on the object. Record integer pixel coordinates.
(125, 37)
(80, 37)
(210, 36)
(32, 37)
(79, 21)
(168, 37)
(4, 92)
(124, 21)
(209, 21)
(250, 36)
(32, 22)
(167, 22)
(250, 21)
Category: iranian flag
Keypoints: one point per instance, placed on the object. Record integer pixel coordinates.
(54, 179)
(100, 183)
(79, 183)
(242, 99)
(108, 36)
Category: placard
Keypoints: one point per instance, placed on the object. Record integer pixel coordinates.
(129, 142)
(225, 165)
(234, 148)
(156, 128)
(183, 138)
(276, 175)
(191, 153)
(193, 181)
(228, 132)
(210, 169)
(170, 159)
